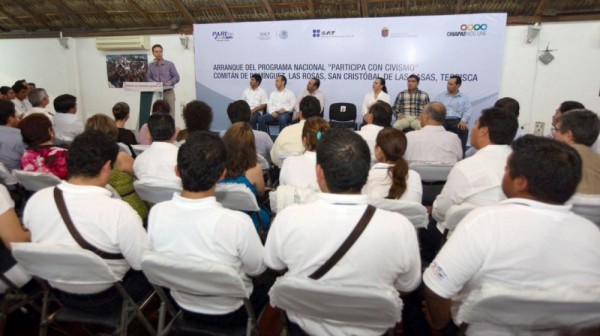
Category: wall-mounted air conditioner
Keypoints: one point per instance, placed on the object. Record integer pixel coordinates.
(123, 43)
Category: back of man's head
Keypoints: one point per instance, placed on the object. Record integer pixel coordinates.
(197, 115)
(345, 159)
(502, 125)
(201, 160)
(37, 96)
(552, 169)
(570, 105)
(161, 127)
(508, 104)
(310, 107)
(7, 110)
(382, 113)
(64, 102)
(239, 110)
(436, 112)
(583, 124)
(89, 152)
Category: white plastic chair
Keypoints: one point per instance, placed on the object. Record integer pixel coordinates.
(455, 214)
(236, 196)
(193, 280)
(124, 148)
(532, 309)
(8, 179)
(337, 305)
(415, 212)
(433, 178)
(66, 267)
(34, 181)
(154, 194)
(139, 149)
(587, 206)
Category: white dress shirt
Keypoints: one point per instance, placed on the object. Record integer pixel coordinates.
(476, 180)
(21, 106)
(283, 99)
(202, 230)
(369, 133)
(156, 165)
(379, 183)
(38, 109)
(108, 224)
(288, 143)
(433, 144)
(369, 99)
(317, 94)
(255, 97)
(300, 171)
(67, 126)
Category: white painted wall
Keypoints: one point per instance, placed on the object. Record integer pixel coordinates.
(81, 70)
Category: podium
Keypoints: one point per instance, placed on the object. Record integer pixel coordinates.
(146, 90)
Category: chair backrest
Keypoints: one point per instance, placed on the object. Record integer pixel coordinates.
(456, 213)
(587, 206)
(433, 178)
(125, 148)
(342, 112)
(236, 196)
(63, 264)
(532, 308)
(193, 277)
(34, 181)
(264, 164)
(362, 306)
(154, 194)
(6, 176)
(139, 149)
(415, 212)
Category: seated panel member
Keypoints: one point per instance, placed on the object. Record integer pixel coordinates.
(280, 106)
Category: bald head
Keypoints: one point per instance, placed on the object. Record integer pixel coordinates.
(433, 114)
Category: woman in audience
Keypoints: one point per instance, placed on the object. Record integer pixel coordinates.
(243, 167)
(121, 113)
(42, 155)
(122, 174)
(7, 93)
(390, 177)
(197, 116)
(379, 93)
(299, 171)
(159, 106)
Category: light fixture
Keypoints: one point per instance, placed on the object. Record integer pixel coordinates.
(532, 32)
(185, 41)
(546, 57)
(63, 41)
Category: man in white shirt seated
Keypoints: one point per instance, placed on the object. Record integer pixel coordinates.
(39, 100)
(529, 241)
(156, 165)
(432, 143)
(66, 124)
(280, 106)
(312, 89)
(108, 224)
(239, 110)
(22, 104)
(304, 236)
(379, 115)
(289, 141)
(257, 98)
(195, 227)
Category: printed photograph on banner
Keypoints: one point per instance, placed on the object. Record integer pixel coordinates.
(126, 68)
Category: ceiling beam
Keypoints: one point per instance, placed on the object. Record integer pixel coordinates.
(407, 7)
(100, 12)
(520, 20)
(269, 9)
(141, 12)
(364, 9)
(539, 11)
(227, 11)
(311, 9)
(459, 4)
(185, 12)
(63, 8)
(35, 18)
(95, 33)
(12, 18)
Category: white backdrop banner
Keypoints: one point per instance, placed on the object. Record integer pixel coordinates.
(347, 55)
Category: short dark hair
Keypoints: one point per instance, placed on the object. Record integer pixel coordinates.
(583, 124)
(35, 129)
(197, 116)
(156, 46)
(161, 106)
(120, 110)
(36, 96)
(161, 126)
(570, 105)
(310, 107)
(239, 110)
(257, 77)
(458, 79)
(382, 113)
(284, 79)
(4, 89)
(201, 161)
(18, 87)
(552, 168)
(508, 104)
(436, 111)
(64, 102)
(317, 81)
(415, 77)
(502, 125)
(88, 153)
(7, 110)
(345, 159)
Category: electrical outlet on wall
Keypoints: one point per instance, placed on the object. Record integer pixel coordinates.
(539, 128)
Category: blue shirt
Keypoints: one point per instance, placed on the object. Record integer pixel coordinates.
(11, 147)
(163, 73)
(458, 106)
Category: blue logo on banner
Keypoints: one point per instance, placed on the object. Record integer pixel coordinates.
(316, 33)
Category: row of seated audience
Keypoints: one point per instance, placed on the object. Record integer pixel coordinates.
(351, 167)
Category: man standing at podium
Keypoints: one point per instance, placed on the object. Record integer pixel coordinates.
(164, 72)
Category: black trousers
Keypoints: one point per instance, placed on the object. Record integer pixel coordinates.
(451, 125)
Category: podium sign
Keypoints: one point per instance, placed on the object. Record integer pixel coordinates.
(146, 90)
(143, 86)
